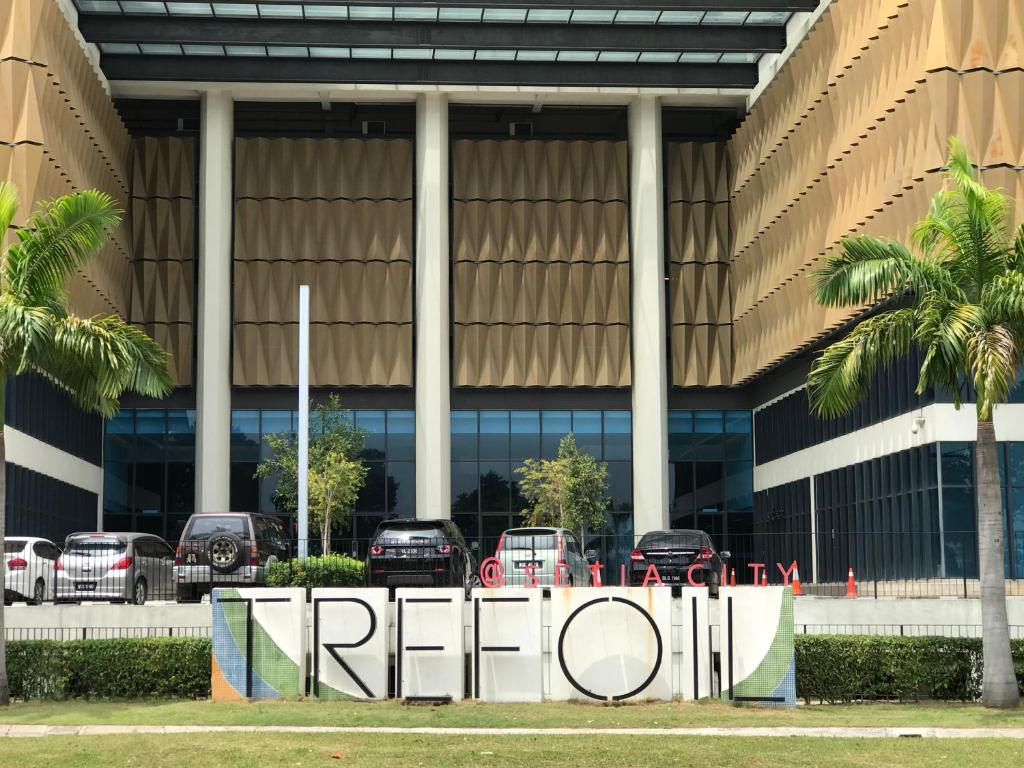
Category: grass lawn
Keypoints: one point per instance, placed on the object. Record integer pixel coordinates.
(359, 751)
(474, 714)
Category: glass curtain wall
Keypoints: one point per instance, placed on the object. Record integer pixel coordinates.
(489, 445)
(149, 471)
(711, 477)
(390, 457)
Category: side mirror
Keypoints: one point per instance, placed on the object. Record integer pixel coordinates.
(591, 555)
(725, 554)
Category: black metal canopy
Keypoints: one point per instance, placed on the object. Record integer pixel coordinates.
(672, 43)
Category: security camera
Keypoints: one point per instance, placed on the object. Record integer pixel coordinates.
(918, 424)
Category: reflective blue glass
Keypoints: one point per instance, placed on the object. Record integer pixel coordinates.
(554, 426)
(618, 435)
(494, 434)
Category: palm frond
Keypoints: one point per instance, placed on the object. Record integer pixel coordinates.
(863, 270)
(24, 331)
(1003, 298)
(993, 358)
(96, 360)
(842, 375)
(57, 239)
(8, 206)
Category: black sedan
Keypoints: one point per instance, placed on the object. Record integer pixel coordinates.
(673, 553)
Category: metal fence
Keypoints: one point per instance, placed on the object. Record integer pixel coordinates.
(884, 564)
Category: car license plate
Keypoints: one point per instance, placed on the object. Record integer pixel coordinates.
(525, 563)
(85, 586)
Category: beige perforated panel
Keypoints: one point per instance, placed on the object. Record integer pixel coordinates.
(540, 244)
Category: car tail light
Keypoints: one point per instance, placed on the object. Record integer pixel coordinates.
(444, 549)
(59, 565)
(17, 564)
(705, 553)
(376, 549)
(122, 565)
(501, 543)
(636, 555)
(254, 555)
(177, 556)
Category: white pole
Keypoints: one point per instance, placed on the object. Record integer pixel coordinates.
(303, 469)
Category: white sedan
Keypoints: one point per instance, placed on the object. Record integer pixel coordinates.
(29, 569)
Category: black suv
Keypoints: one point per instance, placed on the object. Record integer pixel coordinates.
(419, 553)
(673, 553)
(227, 548)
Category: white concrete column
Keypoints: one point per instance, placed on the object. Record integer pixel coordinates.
(213, 360)
(433, 401)
(647, 253)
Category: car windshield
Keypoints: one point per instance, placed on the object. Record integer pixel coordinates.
(205, 526)
(95, 547)
(530, 540)
(402, 533)
(673, 540)
(11, 547)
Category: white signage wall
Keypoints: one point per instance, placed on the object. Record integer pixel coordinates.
(430, 644)
(350, 643)
(691, 645)
(756, 637)
(508, 663)
(611, 644)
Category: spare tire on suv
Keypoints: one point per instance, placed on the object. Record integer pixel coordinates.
(224, 551)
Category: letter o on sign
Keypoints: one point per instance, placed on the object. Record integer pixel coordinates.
(593, 694)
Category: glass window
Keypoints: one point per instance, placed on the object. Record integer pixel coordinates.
(494, 434)
(494, 487)
(465, 479)
(586, 428)
(374, 424)
(555, 425)
(957, 464)
(464, 435)
(524, 442)
(709, 422)
(402, 489)
(371, 497)
(245, 436)
(401, 436)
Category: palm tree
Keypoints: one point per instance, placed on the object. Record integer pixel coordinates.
(95, 360)
(960, 299)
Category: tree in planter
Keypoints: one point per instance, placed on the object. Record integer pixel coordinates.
(336, 471)
(960, 298)
(95, 360)
(567, 492)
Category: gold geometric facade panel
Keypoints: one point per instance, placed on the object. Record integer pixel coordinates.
(779, 233)
(315, 230)
(860, 58)
(540, 231)
(346, 292)
(697, 172)
(85, 300)
(164, 167)
(698, 232)
(163, 291)
(542, 356)
(512, 292)
(699, 294)
(178, 340)
(539, 170)
(39, 32)
(34, 175)
(326, 169)
(701, 355)
(340, 355)
(163, 228)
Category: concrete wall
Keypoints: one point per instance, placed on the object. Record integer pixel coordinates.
(955, 617)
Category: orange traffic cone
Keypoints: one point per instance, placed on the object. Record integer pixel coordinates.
(797, 589)
(851, 585)
(732, 578)
(764, 578)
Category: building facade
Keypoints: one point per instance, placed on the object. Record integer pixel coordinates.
(517, 220)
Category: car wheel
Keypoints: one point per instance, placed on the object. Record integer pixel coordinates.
(139, 594)
(38, 593)
(224, 552)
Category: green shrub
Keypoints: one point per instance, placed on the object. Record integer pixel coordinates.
(127, 668)
(841, 668)
(325, 571)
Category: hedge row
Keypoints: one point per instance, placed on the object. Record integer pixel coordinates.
(829, 668)
(130, 668)
(842, 668)
(324, 571)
